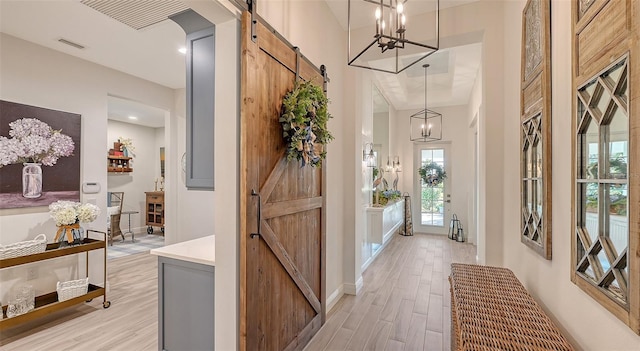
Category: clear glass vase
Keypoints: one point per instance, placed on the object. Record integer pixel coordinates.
(78, 236)
(32, 180)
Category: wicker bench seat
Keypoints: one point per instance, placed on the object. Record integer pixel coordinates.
(491, 310)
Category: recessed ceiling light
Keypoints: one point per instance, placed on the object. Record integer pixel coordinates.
(183, 50)
(133, 117)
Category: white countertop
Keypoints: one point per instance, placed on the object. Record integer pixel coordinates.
(202, 250)
(372, 208)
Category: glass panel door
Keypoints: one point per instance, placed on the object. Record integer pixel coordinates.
(434, 199)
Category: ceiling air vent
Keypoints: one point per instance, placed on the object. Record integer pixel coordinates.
(70, 43)
(137, 14)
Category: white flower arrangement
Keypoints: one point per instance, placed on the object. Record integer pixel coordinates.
(127, 143)
(70, 212)
(34, 141)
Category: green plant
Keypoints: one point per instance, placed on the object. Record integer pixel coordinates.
(431, 199)
(432, 173)
(304, 120)
(617, 167)
(385, 196)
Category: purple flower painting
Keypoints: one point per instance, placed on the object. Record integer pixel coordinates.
(33, 141)
(39, 156)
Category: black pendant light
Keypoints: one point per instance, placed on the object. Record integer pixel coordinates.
(426, 125)
(394, 45)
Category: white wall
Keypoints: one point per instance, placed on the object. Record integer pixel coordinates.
(227, 185)
(34, 75)
(192, 208)
(146, 168)
(474, 114)
(589, 325)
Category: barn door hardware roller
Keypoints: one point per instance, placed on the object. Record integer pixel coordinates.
(252, 7)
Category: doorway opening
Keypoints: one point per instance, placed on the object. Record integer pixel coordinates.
(136, 138)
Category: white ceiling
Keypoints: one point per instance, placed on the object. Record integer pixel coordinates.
(451, 75)
(152, 52)
(123, 110)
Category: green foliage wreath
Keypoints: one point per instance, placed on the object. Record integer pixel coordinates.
(304, 123)
(432, 173)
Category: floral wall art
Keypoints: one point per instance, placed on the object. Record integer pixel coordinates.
(39, 155)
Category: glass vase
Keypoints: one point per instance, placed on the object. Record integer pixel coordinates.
(31, 180)
(78, 235)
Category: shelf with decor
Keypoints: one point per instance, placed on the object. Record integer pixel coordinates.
(119, 164)
(48, 303)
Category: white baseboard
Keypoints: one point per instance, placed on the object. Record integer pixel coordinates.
(335, 296)
(353, 289)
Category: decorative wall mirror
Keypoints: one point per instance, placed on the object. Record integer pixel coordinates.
(606, 155)
(535, 131)
(380, 135)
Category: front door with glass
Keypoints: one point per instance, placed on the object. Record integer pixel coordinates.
(434, 212)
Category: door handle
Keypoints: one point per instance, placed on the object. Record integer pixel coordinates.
(254, 193)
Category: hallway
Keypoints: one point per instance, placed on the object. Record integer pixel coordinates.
(404, 302)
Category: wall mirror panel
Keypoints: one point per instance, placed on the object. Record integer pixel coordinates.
(381, 138)
(606, 157)
(535, 128)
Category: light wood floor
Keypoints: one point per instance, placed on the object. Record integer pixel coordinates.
(405, 300)
(404, 304)
(131, 323)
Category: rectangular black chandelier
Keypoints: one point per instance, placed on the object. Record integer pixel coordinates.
(425, 125)
(381, 38)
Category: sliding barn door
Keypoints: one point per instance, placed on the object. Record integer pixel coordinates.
(282, 268)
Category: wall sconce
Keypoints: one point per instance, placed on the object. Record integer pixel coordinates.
(396, 164)
(389, 167)
(425, 125)
(386, 42)
(368, 156)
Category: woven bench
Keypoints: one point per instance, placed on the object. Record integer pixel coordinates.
(491, 311)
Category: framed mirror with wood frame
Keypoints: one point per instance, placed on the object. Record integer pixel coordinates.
(606, 155)
(535, 127)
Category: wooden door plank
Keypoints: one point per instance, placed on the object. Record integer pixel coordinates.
(283, 256)
(275, 47)
(299, 234)
(281, 52)
(305, 335)
(248, 248)
(281, 306)
(323, 245)
(284, 208)
(272, 180)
